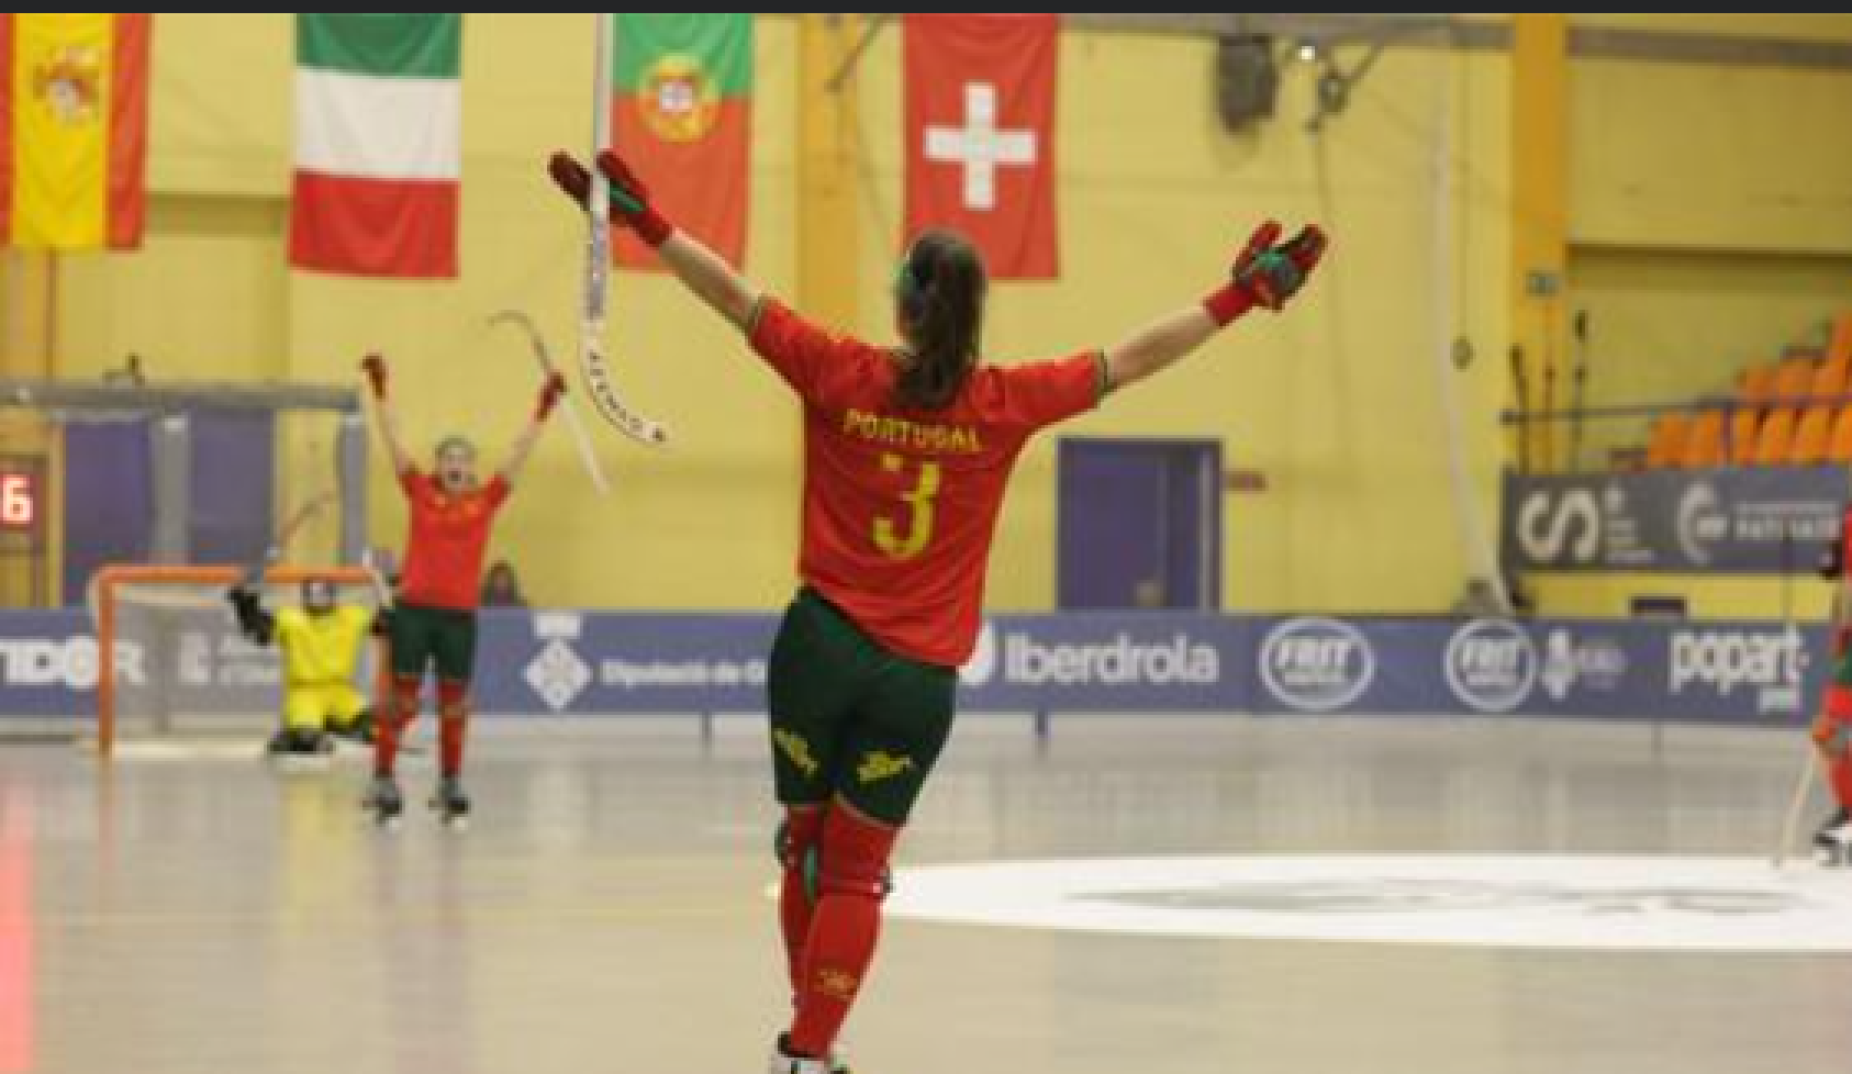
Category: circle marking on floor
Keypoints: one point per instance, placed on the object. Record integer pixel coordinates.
(1646, 903)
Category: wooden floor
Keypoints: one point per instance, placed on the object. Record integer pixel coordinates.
(608, 911)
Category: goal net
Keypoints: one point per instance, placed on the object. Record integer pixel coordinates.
(178, 663)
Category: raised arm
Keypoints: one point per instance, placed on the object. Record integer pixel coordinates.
(387, 417)
(702, 271)
(523, 447)
(1264, 274)
(255, 621)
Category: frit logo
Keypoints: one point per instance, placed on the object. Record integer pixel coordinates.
(558, 675)
(1491, 665)
(1560, 530)
(1317, 665)
(1769, 664)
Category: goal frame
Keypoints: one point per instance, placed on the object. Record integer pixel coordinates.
(107, 583)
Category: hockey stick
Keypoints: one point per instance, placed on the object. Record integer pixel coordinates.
(593, 309)
(292, 525)
(386, 601)
(579, 436)
(1790, 824)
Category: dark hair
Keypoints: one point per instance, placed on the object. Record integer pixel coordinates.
(940, 296)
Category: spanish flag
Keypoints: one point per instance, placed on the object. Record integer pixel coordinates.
(73, 130)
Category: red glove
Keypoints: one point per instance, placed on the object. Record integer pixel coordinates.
(629, 197)
(1265, 274)
(375, 368)
(550, 394)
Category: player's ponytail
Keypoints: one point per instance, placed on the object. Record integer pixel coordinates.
(940, 297)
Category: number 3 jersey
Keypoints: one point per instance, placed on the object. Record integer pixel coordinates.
(900, 504)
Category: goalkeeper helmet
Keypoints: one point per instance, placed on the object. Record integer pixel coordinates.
(318, 596)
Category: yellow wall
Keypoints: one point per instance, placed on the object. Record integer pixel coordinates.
(1710, 229)
(1338, 403)
(709, 523)
(1668, 325)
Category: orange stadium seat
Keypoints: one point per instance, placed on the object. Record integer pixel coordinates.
(1704, 444)
(1775, 439)
(1830, 378)
(1840, 447)
(1755, 385)
(1794, 379)
(1666, 447)
(1740, 446)
(1839, 349)
(1813, 436)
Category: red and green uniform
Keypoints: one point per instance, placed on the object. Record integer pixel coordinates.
(1834, 724)
(900, 506)
(435, 624)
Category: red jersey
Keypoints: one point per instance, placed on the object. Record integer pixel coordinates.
(449, 534)
(900, 504)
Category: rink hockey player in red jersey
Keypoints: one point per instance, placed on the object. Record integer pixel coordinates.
(434, 620)
(908, 450)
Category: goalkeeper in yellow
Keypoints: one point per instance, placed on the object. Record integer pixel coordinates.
(321, 643)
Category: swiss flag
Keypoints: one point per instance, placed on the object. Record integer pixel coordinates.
(980, 129)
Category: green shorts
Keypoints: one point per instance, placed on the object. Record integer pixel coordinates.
(851, 719)
(439, 639)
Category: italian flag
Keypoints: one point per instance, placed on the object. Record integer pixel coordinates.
(683, 93)
(73, 130)
(379, 110)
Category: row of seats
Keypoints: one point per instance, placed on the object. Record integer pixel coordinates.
(1762, 425)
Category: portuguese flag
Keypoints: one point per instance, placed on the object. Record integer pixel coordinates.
(683, 93)
(379, 130)
(73, 130)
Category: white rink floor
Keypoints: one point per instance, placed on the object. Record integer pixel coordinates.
(607, 911)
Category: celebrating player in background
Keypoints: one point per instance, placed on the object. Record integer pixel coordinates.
(907, 451)
(434, 620)
(1832, 729)
(321, 644)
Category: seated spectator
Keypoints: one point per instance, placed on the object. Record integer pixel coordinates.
(500, 587)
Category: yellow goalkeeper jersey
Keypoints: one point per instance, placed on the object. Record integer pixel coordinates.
(321, 649)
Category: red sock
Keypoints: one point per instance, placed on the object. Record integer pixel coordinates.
(843, 929)
(401, 710)
(453, 707)
(803, 825)
(1841, 769)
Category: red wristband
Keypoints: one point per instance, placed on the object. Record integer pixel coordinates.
(650, 226)
(1228, 303)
